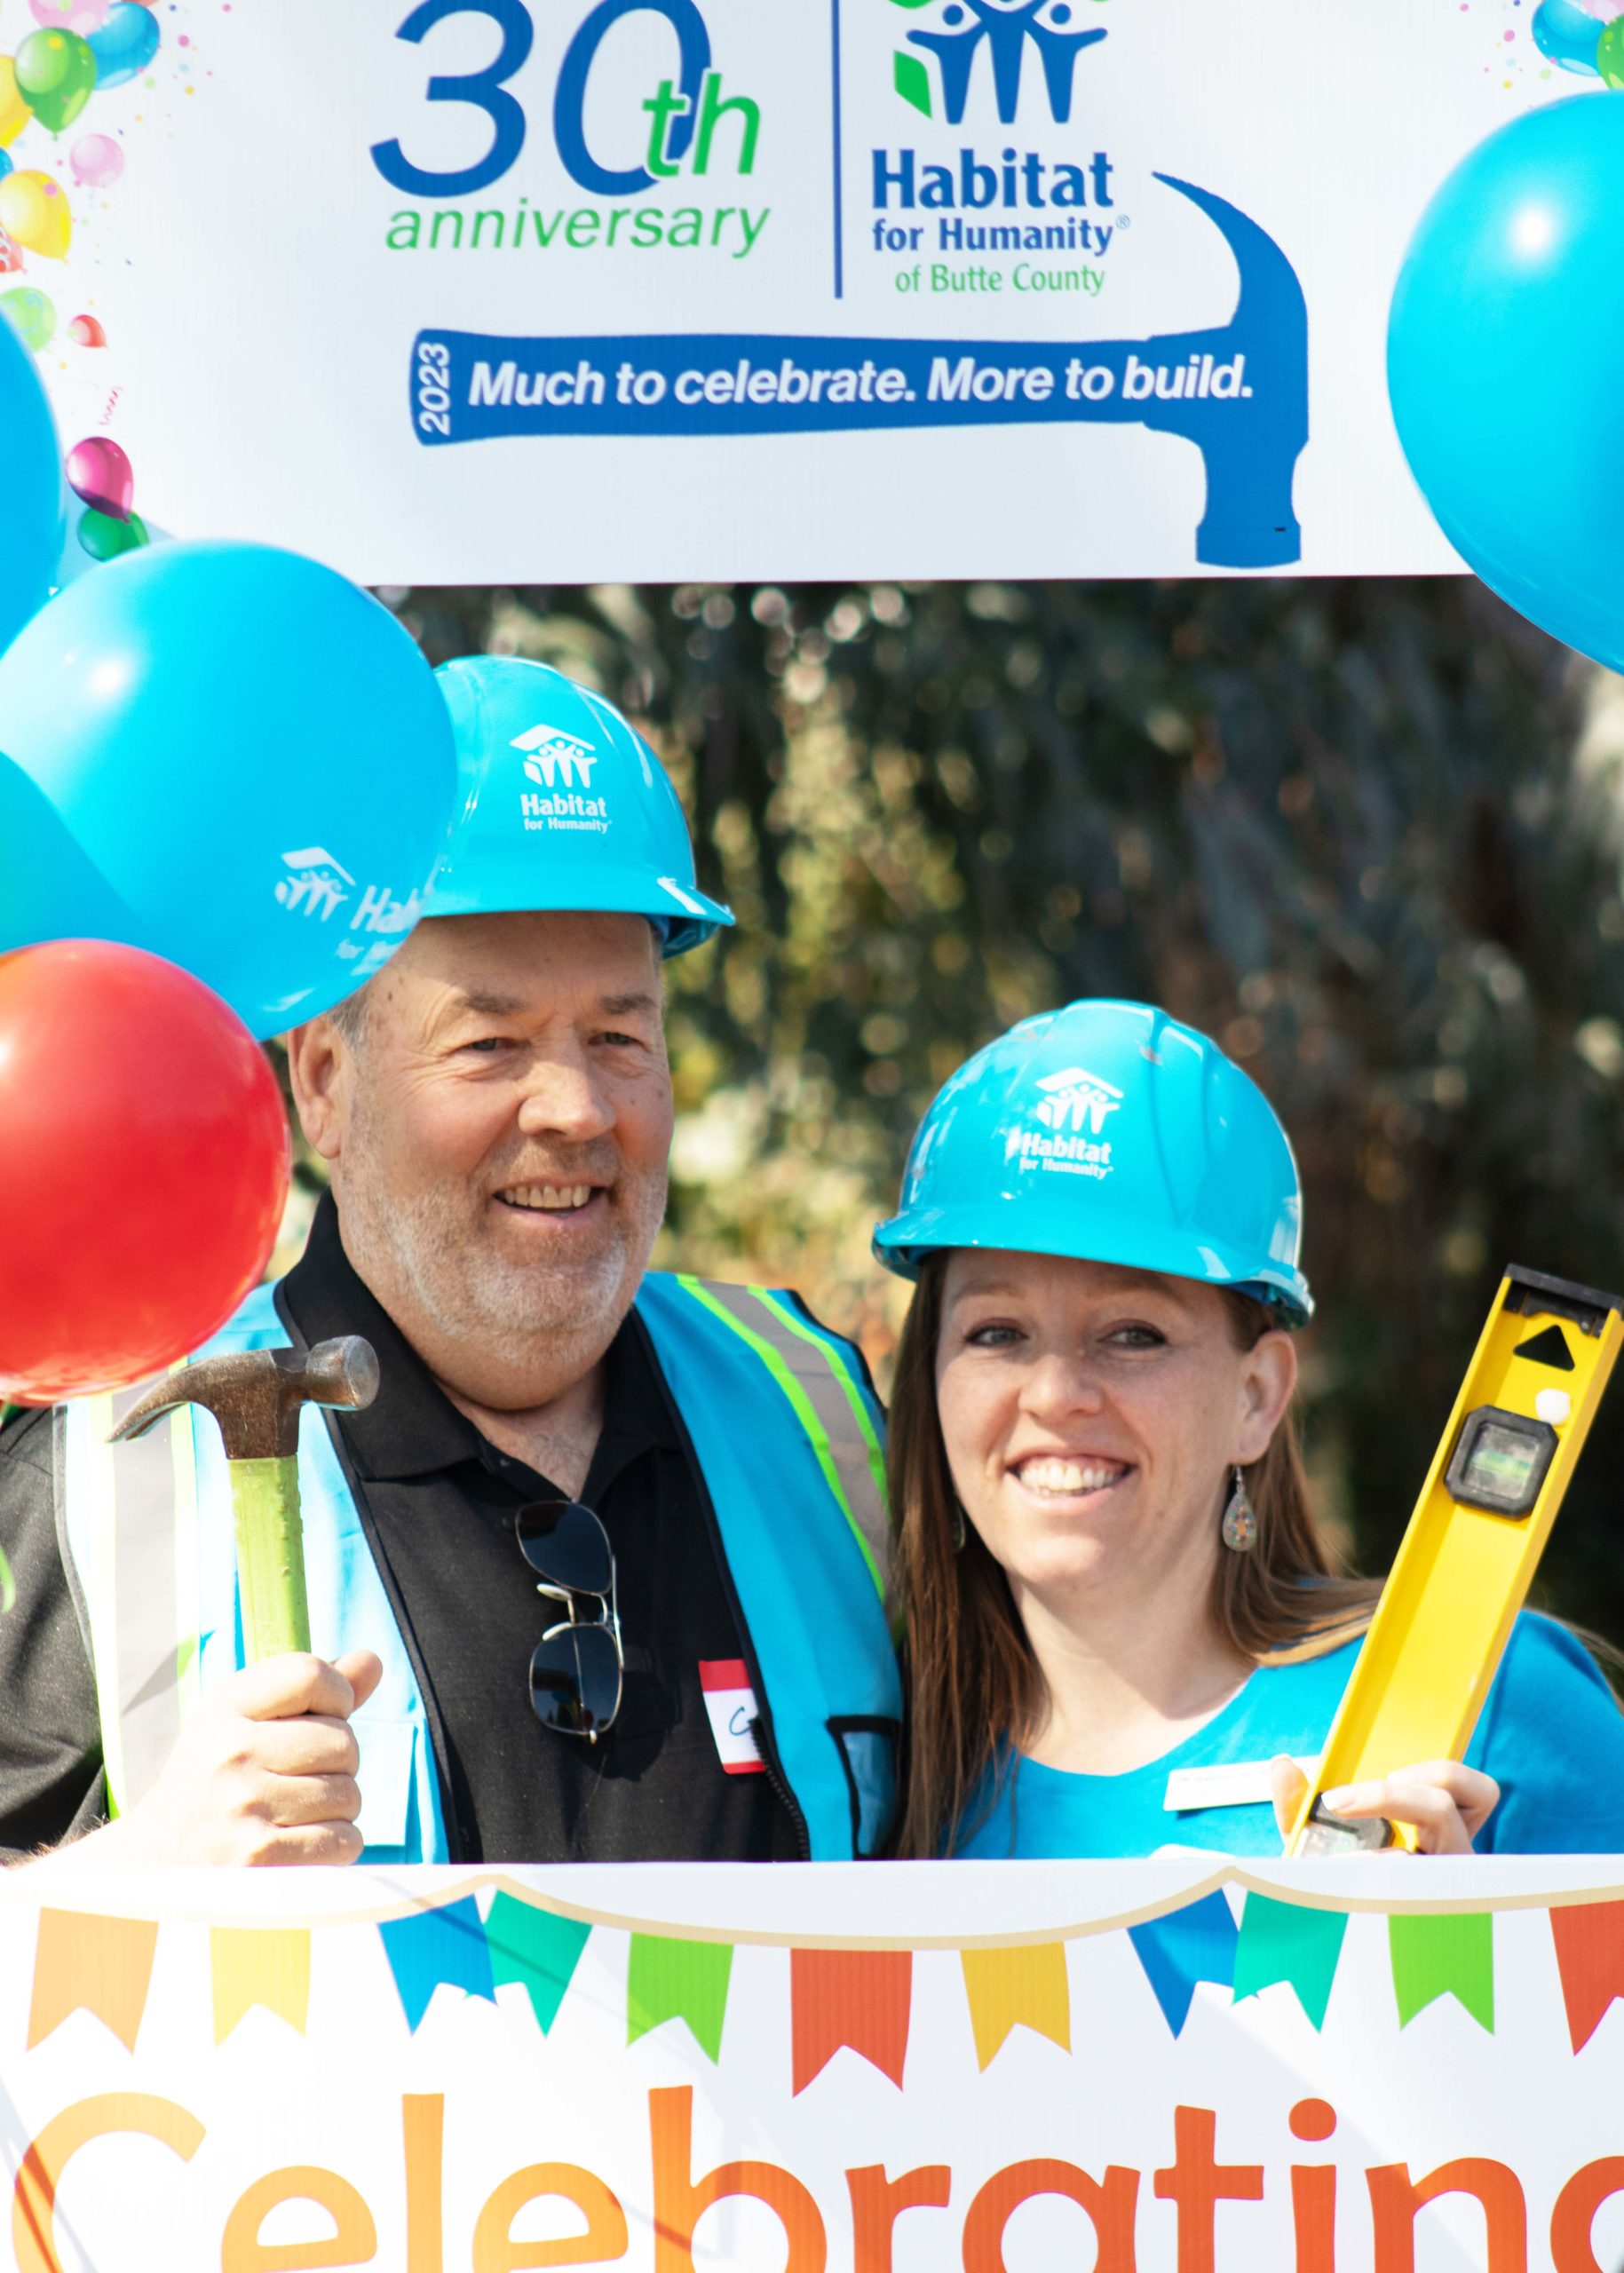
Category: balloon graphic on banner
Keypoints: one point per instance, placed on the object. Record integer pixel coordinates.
(1566, 34)
(99, 472)
(140, 1200)
(1610, 54)
(97, 161)
(11, 256)
(14, 113)
(106, 535)
(1516, 252)
(55, 73)
(34, 210)
(32, 505)
(125, 43)
(253, 752)
(87, 332)
(69, 15)
(7, 164)
(30, 316)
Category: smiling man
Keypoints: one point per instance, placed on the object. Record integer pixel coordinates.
(597, 1575)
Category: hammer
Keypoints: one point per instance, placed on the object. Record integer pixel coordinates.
(256, 1396)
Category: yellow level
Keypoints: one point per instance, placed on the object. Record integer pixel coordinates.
(1464, 1565)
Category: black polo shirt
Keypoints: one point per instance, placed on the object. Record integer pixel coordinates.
(438, 1502)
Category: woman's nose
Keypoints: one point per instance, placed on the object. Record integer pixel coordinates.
(1060, 1383)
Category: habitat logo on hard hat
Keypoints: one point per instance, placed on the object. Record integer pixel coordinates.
(557, 761)
(1072, 1112)
(314, 885)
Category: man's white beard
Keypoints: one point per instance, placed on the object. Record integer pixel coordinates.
(470, 1294)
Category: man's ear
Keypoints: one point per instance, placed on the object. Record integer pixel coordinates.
(1269, 1377)
(320, 1072)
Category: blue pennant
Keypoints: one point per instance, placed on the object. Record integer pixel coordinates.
(434, 1946)
(1195, 1943)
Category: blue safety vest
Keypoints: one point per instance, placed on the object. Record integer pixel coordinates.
(783, 1435)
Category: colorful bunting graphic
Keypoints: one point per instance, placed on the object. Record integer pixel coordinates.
(431, 1946)
(1590, 1939)
(672, 1980)
(1018, 1988)
(1287, 1942)
(101, 1964)
(536, 1948)
(1194, 1944)
(1446, 1956)
(259, 1966)
(856, 1998)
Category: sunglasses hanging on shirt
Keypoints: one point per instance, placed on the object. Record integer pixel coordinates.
(577, 1668)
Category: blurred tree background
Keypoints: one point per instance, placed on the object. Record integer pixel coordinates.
(1366, 833)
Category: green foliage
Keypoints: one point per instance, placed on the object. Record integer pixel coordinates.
(1366, 833)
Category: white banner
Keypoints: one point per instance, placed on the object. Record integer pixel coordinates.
(1175, 2066)
(482, 290)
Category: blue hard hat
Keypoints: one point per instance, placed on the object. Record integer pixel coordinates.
(1108, 1132)
(560, 803)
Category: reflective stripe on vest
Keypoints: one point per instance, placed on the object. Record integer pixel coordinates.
(785, 1433)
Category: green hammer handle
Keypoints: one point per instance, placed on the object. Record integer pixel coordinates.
(270, 1557)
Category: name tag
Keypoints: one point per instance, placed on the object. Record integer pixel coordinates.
(731, 1703)
(1232, 1784)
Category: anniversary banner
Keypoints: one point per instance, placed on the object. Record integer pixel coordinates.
(1177, 2064)
(673, 288)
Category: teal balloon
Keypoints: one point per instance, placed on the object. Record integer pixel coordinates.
(33, 499)
(49, 889)
(124, 42)
(252, 753)
(1565, 36)
(7, 164)
(1512, 293)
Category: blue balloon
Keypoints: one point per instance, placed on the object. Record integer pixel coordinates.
(49, 889)
(1567, 35)
(1511, 296)
(7, 164)
(33, 500)
(124, 42)
(252, 753)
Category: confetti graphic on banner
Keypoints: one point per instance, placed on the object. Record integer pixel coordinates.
(102, 1966)
(1017, 1988)
(1285, 1942)
(858, 1999)
(1444, 1956)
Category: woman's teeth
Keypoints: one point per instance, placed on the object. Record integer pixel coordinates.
(554, 1197)
(1069, 1476)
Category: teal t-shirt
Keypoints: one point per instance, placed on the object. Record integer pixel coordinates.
(1551, 1735)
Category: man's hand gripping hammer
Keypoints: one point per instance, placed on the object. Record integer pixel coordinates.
(256, 1396)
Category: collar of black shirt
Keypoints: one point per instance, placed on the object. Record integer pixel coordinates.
(412, 1427)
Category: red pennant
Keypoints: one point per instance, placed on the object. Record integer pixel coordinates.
(858, 1998)
(1590, 1939)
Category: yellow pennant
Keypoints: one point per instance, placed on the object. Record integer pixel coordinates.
(101, 1964)
(1018, 1988)
(256, 1965)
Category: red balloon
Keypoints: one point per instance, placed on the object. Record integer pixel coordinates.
(144, 1161)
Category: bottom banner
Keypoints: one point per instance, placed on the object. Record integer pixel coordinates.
(1383, 2066)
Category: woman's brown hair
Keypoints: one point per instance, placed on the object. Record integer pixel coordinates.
(974, 1687)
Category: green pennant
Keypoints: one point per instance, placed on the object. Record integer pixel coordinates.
(668, 1980)
(1284, 1941)
(536, 1948)
(1448, 1955)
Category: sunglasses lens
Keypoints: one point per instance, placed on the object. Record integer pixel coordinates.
(563, 1543)
(576, 1680)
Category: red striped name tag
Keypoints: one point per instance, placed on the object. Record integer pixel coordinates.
(731, 1703)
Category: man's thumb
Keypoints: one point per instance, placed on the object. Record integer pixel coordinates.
(363, 1671)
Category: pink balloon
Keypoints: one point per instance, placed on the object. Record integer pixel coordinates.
(88, 332)
(11, 255)
(97, 160)
(99, 472)
(81, 16)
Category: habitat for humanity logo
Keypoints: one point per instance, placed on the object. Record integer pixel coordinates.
(1072, 1112)
(1008, 34)
(557, 761)
(317, 884)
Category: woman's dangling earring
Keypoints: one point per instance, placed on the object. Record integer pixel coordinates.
(960, 1529)
(1240, 1523)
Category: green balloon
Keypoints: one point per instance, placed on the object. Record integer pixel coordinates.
(30, 316)
(104, 538)
(1610, 52)
(55, 73)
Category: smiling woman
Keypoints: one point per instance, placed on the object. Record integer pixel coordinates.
(1124, 1627)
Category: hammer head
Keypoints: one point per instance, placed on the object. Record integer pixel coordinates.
(255, 1394)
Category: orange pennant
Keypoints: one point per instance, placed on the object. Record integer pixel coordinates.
(1018, 1988)
(858, 1998)
(101, 1964)
(1590, 1939)
(256, 1965)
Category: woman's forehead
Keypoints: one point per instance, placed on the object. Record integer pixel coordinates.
(986, 1272)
